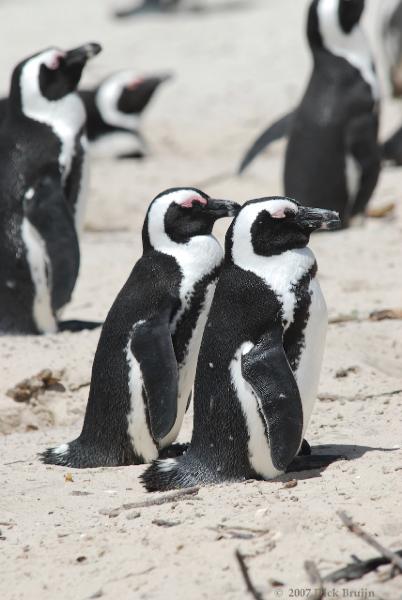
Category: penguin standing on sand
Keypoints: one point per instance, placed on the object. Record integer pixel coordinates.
(42, 173)
(145, 362)
(113, 111)
(261, 353)
(333, 156)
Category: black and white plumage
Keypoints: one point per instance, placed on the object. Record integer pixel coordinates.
(113, 113)
(391, 33)
(114, 110)
(42, 187)
(333, 156)
(144, 366)
(261, 353)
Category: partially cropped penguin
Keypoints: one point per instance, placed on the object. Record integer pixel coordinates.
(113, 111)
(148, 6)
(333, 156)
(391, 33)
(261, 353)
(144, 366)
(42, 184)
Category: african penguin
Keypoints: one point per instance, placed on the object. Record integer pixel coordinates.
(333, 156)
(113, 111)
(144, 366)
(148, 6)
(261, 353)
(42, 151)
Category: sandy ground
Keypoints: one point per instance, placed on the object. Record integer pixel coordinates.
(235, 70)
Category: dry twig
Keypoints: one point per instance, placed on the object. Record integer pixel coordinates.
(246, 576)
(393, 557)
(174, 497)
(315, 580)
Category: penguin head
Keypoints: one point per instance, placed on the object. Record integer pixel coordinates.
(51, 74)
(122, 97)
(274, 225)
(179, 214)
(328, 20)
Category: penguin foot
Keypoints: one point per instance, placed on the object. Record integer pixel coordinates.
(305, 449)
(314, 461)
(174, 451)
(75, 326)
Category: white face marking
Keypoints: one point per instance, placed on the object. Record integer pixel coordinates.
(258, 444)
(116, 143)
(138, 430)
(352, 46)
(107, 98)
(65, 116)
(39, 263)
(280, 272)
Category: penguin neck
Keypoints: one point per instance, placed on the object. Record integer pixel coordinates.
(106, 101)
(353, 46)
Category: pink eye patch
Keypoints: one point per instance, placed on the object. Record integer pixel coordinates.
(194, 200)
(134, 84)
(54, 62)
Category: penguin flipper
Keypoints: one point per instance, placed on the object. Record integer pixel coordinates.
(152, 347)
(275, 132)
(266, 368)
(362, 145)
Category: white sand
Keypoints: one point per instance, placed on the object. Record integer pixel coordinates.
(235, 71)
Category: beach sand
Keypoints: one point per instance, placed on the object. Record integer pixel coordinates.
(235, 71)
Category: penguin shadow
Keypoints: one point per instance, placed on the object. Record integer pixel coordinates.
(199, 9)
(338, 452)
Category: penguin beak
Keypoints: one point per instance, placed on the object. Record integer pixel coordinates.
(317, 219)
(80, 55)
(222, 208)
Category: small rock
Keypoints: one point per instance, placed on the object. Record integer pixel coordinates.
(290, 484)
(133, 515)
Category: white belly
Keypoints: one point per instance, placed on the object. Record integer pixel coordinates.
(40, 269)
(309, 367)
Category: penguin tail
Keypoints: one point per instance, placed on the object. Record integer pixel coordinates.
(77, 456)
(274, 132)
(170, 474)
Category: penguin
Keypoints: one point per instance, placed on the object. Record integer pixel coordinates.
(113, 111)
(148, 7)
(144, 366)
(42, 153)
(261, 353)
(391, 34)
(333, 156)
